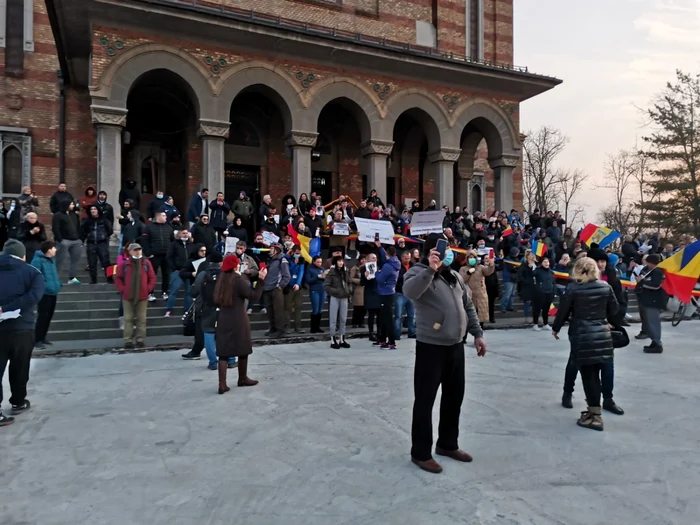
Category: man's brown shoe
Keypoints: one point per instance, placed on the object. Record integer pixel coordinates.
(429, 466)
(457, 455)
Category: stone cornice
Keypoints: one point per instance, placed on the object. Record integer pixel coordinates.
(108, 116)
(505, 161)
(444, 155)
(301, 139)
(213, 129)
(377, 147)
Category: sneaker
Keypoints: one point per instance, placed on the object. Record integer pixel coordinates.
(250, 311)
(566, 400)
(270, 332)
(165, 296)
(378, 343)
(389, 347)
(167, 314)
(536, 328)
(151, 297)
(6, 420)
(74, 281)
(263, 311)
(641, 335)
(191, 356)
(212, 367)
(546, 327)
(18, 409)
(129, 346)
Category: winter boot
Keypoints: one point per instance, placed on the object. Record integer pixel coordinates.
(591, 419)
(343, 342)
(319, 330)
(372, 337)
(223, 368)
(335, 345)
(243, 379)
(566, 400)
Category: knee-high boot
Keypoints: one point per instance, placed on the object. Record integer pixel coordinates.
(243, 379)
(319, 330)
(223, 367)
(314, 325)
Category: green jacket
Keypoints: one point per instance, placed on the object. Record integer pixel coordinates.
(242, 208)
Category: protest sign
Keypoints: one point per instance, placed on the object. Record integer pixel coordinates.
(368, 228)
(371, 269)
(230, 246)
(269, 238)
(340, 228)
(425, 222)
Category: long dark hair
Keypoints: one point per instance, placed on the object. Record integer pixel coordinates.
(225, 285)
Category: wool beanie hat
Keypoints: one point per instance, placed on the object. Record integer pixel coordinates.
(215, 257)
(231, 262)
(14, 247)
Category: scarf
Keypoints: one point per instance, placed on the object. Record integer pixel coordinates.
(135, 280)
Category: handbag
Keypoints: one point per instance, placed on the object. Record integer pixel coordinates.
(620, 337)
(188, 324)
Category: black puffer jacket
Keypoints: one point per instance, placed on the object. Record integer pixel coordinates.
(588, 307)
(156, 239)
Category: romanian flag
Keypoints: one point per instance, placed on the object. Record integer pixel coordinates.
(682, 270)
(309, 247)
(508, 231)
(539, 248)
(552, 310)
(599, 235)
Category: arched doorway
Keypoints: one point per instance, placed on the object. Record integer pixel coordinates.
(161, 149)
(11, 171)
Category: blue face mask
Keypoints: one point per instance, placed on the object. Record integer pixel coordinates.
(159, 196)
(449, 257)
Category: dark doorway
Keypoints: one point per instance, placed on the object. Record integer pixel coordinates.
(476, 198)
(391, 191)
(321, 183)
(241, 177)
(365, 189)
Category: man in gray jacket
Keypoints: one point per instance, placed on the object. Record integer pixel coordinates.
(278, 278)
(444, 316)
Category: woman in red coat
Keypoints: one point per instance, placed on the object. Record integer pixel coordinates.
(233, 338)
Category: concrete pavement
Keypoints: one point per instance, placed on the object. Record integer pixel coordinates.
(324, 439)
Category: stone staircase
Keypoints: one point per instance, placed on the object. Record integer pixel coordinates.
(91, 311)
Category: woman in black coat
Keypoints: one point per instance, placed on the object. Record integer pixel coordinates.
(31, 233)
(589, 305)
(527, 285)
(237, 230)
(371, 294)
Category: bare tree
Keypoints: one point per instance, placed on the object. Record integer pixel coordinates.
(620, 170)
(540, 180)
(570, 183)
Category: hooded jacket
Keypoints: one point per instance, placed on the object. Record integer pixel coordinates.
(106, 209)
(296, 271)
(59, 197)
(388, 275)
(47, 267)
(154, 207)
(132, 193)
(21, 288)
(179, 253)
(204, 234)
(87, 201)
(65, 224)
(187, 271)
(133, 229)
(278, 275)
(95, 230)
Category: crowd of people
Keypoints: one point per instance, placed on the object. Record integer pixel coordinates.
(229, 259)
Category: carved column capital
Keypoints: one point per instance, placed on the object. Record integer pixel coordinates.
(301, 139)
(108, 116)
(444, 155)
(504, 161)
(216, 129)
(377, 147)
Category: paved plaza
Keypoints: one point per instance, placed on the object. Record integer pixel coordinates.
(324, 439)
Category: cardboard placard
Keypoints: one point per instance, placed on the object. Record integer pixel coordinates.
(425, 222)
(270, 238)
(340, 228)
(368, 228)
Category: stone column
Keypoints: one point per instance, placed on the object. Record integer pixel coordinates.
(213, 134)
(503, 168)
(376, 153)
(444, 161)
(109, 123)
(301, 142)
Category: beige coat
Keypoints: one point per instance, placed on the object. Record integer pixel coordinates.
(476, 283)
(358, 294)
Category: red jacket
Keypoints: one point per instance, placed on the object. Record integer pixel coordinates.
(123, 279)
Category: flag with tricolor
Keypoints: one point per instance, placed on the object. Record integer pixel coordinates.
(599, 235)
(539, 248)
(552, 310)
(508, 231)
(310, 247)
(682, 270)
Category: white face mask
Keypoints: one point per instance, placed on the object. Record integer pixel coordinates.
(136, 257)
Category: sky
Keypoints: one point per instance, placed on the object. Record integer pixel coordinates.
(613, 56)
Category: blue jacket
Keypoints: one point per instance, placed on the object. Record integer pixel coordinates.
(388, 275)
(21, 288)
(47, 267)
(296, 271)
(509, 270)
(545, 280)
(315, 284)
(195, 208)
(170, 212)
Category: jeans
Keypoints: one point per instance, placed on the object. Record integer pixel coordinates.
(72, 250)
(318, 299)
(607, 377)
(436, 366)
(527, 308)
(176, 283)
(292, 307)
(404, 303)
(210, 347)
(508, 294)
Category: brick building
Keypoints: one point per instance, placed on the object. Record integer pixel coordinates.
(418, 99)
